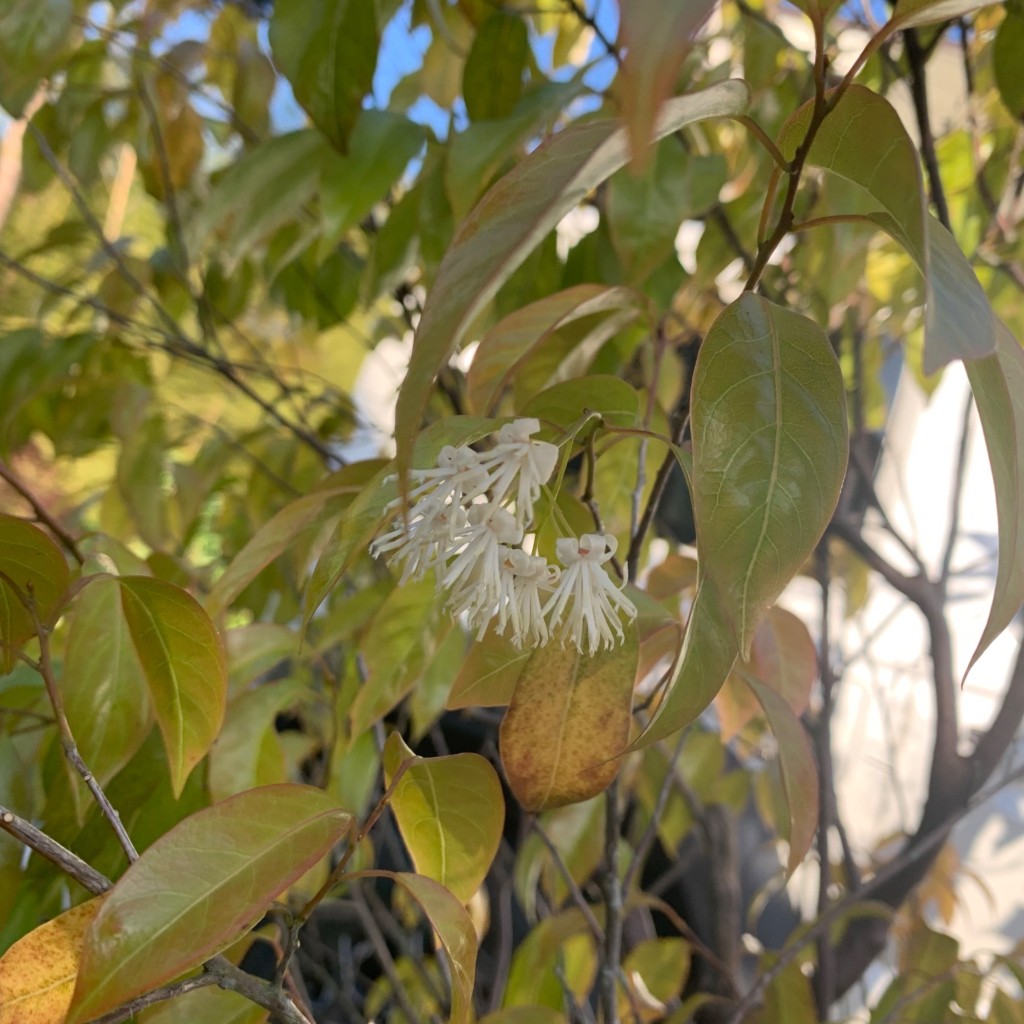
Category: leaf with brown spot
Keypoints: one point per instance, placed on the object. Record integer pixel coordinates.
(568, 722)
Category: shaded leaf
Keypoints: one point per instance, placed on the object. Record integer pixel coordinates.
(656, 37)
(183, 662)
(769, 452)
(566, 403)
(562, 940)
(568, 723)
(205, 1006)
(327, 49)
(492, 77)
(37, 568)
(998, 386)
(799, 771)
(1006, 51)
(508, 223)
(37, 974)
(506, 345)
(450, 811)
(655, 969)
(199, 887)
(909, 13)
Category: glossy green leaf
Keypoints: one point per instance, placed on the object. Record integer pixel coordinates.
(183, 662)
(656, 37)
(247, 753)
(567, 403)
(492, 77)
(509, 222)
(104, 688)
(707, 656)
(450, 811)
(509, 343)
(454, 929)
(769, 452)
(799, 771)
(38, 569)
(198, 888)
(327, 49)
(488, 675)
(568, 723)
(998, 386)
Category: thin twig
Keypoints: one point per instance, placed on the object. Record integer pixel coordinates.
(7, 474)
(574, 890)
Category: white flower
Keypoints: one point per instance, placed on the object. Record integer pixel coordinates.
(516, 455)
(523, 578)
(423, 542)
(596, 602)
(474, 575)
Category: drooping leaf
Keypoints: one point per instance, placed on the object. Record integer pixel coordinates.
(506, 225)
(769, 452)
(104, 689)
(492, 77)
(1006, 53)
(998, 386)
(488, 675)
(37, 974)
(38, 569)
(183, 662)
(799, 771)
(847, 145)
(450, 811)
(199, 887)
(568, 723)
(327, 49)
(502, 350)
(656, 37)
(454, 929)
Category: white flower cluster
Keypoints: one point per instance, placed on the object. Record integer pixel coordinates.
(466, 522)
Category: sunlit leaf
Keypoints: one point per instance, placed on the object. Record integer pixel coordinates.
(510, 221)
(506, 345)
(656, 37)
(35, 566)
(103, 685)
(909, 13)
(799, 771)
(769, 452)
(327, 49)
(998, 386)
(450, 811)
(568, 723)
(37, 974)
(183, 662)
(199, 887)
(488, 675)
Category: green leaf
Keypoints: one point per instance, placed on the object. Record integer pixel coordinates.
(523, 1015)
(998, 386)
(847, 144)
(247, 753)
(656, 37)
(509, 222)
(198, 888)
(488, 675)
(562, 941)
(492, 78)
(450, 811)
(327, 49)
(1006, 52)
(32, 35)
(103, 685)
(909, 13)
(263, 190)
(564, 732)
(184, 665)
(36, 567)
(382, 145)
(708, 653)
(769, 452)
(567, 403)
(505, 347)
(454, 929)
(662, 966)
(205, 1006)
(799, 771)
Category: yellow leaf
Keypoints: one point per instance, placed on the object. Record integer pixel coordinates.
(37, 974)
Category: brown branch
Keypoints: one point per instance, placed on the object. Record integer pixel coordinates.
(10, 477)
(611, 883)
